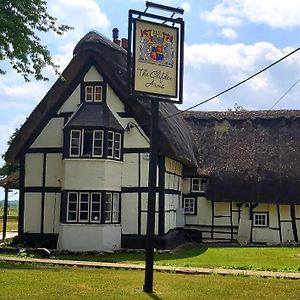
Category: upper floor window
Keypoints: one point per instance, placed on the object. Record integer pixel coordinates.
(114, 145)
(93, 92)
(199, 184)
(95, 143)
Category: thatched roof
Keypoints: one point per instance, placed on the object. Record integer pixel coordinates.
(11, 181)
(249, 156)
(111, 61)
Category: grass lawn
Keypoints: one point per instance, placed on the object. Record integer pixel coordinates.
(255, 258)
(38, 282)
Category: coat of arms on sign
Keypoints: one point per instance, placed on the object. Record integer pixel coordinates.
(156, 47)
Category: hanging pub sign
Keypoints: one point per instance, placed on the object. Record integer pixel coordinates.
(155, 59)
(156, 65)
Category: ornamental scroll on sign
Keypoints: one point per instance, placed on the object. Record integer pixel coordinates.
(155, 59)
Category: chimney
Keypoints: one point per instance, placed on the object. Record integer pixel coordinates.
(115, 35)
(124, 43)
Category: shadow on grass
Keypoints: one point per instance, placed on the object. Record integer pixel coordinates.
(181, 253)
(153, 296)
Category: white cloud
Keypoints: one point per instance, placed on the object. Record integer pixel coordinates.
(275, 13)
(229, 33)
(212, 68)
(186, 6)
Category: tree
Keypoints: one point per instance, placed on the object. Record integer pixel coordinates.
(7, 168)
(20, 21)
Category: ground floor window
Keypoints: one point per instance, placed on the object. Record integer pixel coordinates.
(189, 205)
(91, 207)
(261, 219)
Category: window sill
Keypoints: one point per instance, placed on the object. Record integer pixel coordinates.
(93, 159)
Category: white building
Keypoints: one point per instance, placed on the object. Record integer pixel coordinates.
(84, 154)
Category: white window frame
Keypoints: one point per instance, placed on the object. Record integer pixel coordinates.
(257, 219)
(201, 182)
(187, 208)
(80, 143)
(76, 211)
(97, 211)
(79, 207)
(112, 144)
(101, 94)
(102, 143)
(119, 148)
(108, 196)
(86, 93)
(115, 207)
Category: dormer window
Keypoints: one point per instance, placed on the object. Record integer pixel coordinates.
(93, 92)
(199, 184)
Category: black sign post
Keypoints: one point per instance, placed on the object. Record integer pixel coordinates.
(154, 69)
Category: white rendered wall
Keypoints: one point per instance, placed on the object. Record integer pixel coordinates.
(54, 169)
(32, 212)
(89, 237)
(51, 135)
(73, 102)
(34, 169)
(129, 213)
(92, 174)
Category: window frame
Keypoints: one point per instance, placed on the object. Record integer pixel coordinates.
(200, 184)
(91, 208)
(194, 205)
(79, 207)
(102, 142)
(79, 146)
(260, 214)
(90, 90)
(68, 210)
(114, 209)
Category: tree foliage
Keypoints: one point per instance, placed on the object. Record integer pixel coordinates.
(7, 168)
(20, 22)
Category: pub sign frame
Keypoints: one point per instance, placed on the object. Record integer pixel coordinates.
(155, 68)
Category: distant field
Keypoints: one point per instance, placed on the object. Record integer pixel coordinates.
(12, 224)
(39, 282)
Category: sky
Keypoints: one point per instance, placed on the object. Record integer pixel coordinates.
(225, 42)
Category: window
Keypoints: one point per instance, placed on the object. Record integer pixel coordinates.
(86, 207)
(189, 206)
(98, 143)
(114, 145)
(260, 219)
(86, 143)
(95, 207)
(93, 93)
(72, 207)
(112, 208)
(198, 185)
(75, 142)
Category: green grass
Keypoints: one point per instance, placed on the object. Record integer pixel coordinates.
(255, 258)
(37, 282)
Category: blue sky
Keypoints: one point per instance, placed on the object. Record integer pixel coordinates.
(226, 41)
